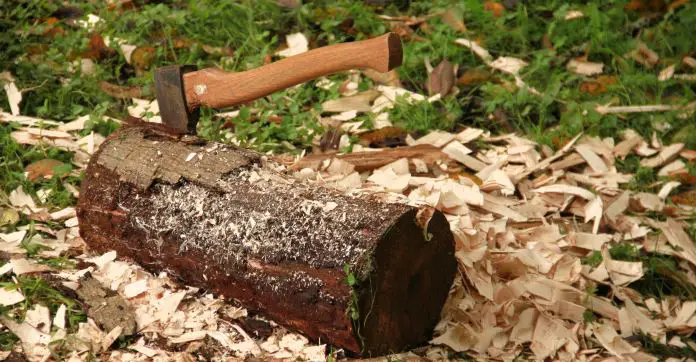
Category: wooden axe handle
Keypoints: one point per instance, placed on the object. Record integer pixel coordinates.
(218, 89)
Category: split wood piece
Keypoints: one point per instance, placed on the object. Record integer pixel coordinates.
(370, 160)
(221, 218)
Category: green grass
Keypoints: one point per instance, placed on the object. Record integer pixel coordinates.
(662, 277)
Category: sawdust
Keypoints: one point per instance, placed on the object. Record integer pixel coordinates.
(244, 224)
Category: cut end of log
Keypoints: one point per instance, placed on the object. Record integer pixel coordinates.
(221, 218)
(413, 272)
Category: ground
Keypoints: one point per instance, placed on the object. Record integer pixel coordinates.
(564, 158)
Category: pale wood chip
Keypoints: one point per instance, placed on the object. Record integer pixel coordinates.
(667, 189)
(674, 167)
(642, 109)
(665, 155)
(566, 189)
(677, 237)
(477, 49)
(136, 288)
(571, 160)
(618, 206)
(607, 336)
(390, 180)
(22, 266)
(436, 138)
(297, 44)
(458, 337)
(400, 167)
(592, 159)
(584, 68)
(621, 272)
(59, 319)
(667, 73)
(10, 297)
(189, 337)
(359, 102)
(469, 134)
(549, 336)
(590, 241)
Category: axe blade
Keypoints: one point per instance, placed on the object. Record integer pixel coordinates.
(169, 88)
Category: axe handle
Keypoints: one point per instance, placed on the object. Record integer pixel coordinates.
(218, 89)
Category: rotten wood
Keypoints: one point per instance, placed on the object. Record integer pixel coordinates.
(225, 219)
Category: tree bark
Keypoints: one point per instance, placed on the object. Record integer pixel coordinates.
(225, 219)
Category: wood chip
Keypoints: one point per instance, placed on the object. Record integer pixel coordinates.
(136, 288)
(566, 189)
(666, 154)
(14, 97)
(592, 159)
(436, 138)
(297, 44)
(10, 297)
(584, 68)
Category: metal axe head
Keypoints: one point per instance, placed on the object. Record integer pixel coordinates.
(169, 88)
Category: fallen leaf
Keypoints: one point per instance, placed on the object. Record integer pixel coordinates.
(645, 56)
(474, 76)
(96, 48)
(441, 79)
(685, 198)
(390, 78)
(384, 137)
(599, 85)
(496, 9)
(436, 138)
(42, 169)
(454, 18)
(142, 57)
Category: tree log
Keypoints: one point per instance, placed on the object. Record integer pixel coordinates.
(225, 219)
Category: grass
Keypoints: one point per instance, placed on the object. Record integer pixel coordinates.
(662, 277)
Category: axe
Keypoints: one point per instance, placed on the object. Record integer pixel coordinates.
(182, 89)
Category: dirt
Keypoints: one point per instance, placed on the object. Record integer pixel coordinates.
(106, 307)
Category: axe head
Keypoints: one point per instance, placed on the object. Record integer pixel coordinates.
(169, 88)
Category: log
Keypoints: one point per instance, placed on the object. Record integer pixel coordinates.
(350, 270)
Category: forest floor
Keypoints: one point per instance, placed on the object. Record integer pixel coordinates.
(561, 145)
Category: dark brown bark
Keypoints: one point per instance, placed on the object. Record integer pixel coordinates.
(228, 221)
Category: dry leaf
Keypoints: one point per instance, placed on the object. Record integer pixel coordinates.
(453, 17)
(42, 169)
(645, 56)
(496, 9)
(474, 76)
(441, 79)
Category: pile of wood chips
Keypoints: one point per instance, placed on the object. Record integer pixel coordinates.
(523, 217)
